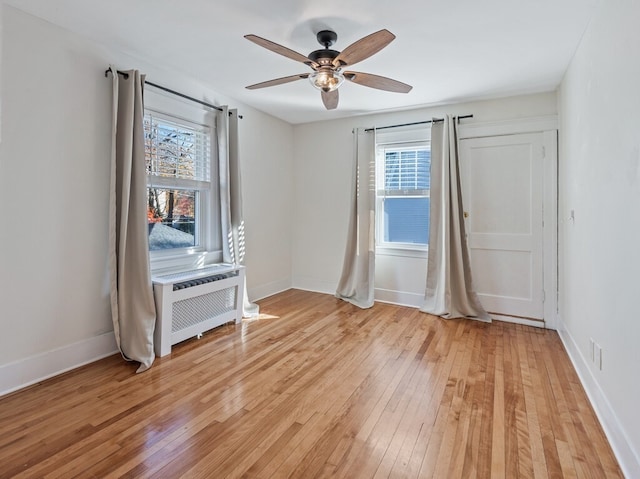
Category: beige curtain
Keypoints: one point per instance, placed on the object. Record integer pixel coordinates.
(233, 240)
(449, 292)
(357, 281)
(132, 305)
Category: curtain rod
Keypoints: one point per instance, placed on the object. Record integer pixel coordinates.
(417, 123)
(173, 92)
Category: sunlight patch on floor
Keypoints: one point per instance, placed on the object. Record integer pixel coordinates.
(258, 317)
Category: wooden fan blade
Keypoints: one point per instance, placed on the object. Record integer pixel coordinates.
(330, 99)
(378, 82)
(364, 48)
(284, 51)
(278, 81)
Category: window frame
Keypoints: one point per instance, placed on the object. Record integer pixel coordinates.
(207, 208)
(404, 141)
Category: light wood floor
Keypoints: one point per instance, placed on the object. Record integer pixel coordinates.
(321, 389)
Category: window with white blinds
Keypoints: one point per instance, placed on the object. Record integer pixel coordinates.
(402, 195)
(179, 188)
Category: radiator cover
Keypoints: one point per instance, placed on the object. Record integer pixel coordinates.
(189, 303)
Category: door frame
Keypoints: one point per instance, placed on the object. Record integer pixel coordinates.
(548, 127)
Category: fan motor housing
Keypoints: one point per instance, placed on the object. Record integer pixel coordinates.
(323, 57)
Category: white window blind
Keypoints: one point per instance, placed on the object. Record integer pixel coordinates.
(175, 150)
(406, 171)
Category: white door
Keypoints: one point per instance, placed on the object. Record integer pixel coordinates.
(502, 185)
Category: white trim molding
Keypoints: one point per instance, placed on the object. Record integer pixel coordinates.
(29, 371)
(628, 459)
(256, 293)
(508, 127)
(315, 285)
(550, 227)
(399, 298)
(516, 320)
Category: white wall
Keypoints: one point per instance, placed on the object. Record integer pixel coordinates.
(266, 153)
(54, 176)
(599, 179)
(323, 170)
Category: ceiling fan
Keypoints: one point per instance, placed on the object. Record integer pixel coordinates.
(327, 65)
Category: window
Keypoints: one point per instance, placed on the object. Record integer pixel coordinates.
(179, 186)
(402, 195)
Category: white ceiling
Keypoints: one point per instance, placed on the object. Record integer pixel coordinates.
(448, 50)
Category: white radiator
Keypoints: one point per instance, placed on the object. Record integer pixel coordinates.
(189, 303)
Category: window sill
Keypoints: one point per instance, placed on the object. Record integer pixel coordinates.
(168, 263)
(403, 251)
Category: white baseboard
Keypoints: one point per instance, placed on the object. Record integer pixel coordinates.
(414, 300)
(399, 298)
(628, 459)
(517, 320)
(262, 291)
(314, 285)
(25, 372)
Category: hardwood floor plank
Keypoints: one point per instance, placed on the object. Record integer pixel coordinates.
(283, 442)
(412, 422)
(444, 397)
(498, 448)
(478, 439)
(451, 455)
(486, 409)
(436, 372)
(406, 345)
(358, 445)
(318, 389)
(543, 409)
(569, 435)
(539, 465)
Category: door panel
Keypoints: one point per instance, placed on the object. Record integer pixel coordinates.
(503, 197)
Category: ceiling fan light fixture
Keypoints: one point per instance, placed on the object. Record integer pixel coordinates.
(327, 65)
(326, 79)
